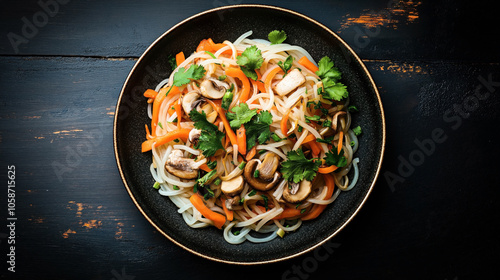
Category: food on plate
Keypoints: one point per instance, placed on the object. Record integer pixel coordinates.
(252, 136)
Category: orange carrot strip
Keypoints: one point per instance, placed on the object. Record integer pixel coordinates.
(218, 219)
(283, 122)
(314, 148)
(287, 213)
(317, 209)
(229, 213)
(341, 138)
(251, 153)
(309, 138)
(245, 89)
(157, 104)
(327, 170)
(179, 58)
(149, 93)
(205, 167)
(178, 110)
(241, 137)
(270, 76)
(183, 134)
(222, 115)
(259, 82)
(204, 46)
(308, 64)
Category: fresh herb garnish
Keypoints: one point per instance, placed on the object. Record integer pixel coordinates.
(210, 137)
(334, 158)
(266, 201)
(250, 60)
(252, 193)
(357, 130)
(241, 115)
(330, 75)
(258, 129)
(183, 76)
(276, 37)
(297, 167)
(287, 65)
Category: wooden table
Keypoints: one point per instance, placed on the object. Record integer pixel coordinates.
(434, 209)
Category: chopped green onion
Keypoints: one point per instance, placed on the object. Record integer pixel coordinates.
(256, 173)
(156, 186)
(217, 181)
(242, 165)
(211, 54)
(176, 188)
(280, 232)
(252, 193)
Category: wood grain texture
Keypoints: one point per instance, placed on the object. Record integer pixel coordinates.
(378, 29)
(85, 226)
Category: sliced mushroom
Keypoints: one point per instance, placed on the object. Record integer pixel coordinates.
(297, 192)
(290, 82)
(213, 88)
(180, 166)
(335, 119)
(191, 100)
(268, 166)
(259, 183)
(233, 203)
(233, 186)
(194, 135)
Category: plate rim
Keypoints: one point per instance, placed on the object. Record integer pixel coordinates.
(344, 44)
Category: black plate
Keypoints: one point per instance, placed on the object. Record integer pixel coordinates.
(229, 23)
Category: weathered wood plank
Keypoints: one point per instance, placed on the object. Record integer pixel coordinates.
(375, 29)
(84, 225)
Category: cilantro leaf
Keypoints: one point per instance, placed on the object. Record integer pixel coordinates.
(258, 129)
(337, 91)
(326, 69)
(276, 37)
(183, 76)
(242, 114)
(250, 60)
(332, 158)
(210, 140)
(287, 65)
(330, 76)
(297, 168)
(357, 130)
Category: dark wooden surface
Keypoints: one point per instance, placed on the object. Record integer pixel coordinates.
(436, 64)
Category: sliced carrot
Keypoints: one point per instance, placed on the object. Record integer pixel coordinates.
(251, 153)
(309, 138)
(178, 110)
(270, 77)
(341, 138)
(245, 89)
(327, 170)
(318, 209)
(183, 134)
(157, 104)
(283, 123)
(222, 115)
(204, 46)
(218, 219)
(259, 82)
(314, 148)
(288, 213)
(308, 64)
(241, 138)
(229, 213)
(179, 58)
(149, 93)
(205, 167)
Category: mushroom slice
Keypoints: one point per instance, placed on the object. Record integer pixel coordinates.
(194, 135)
(180, 166)
(213, 89)
(268, 166)
(297, 192)
(233, 186)
(290, 82)
(233, 203)
(191, 100)
(258, 182)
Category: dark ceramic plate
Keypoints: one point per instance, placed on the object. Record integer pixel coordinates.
(229, 23)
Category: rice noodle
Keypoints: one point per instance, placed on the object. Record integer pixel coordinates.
(252, 221)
